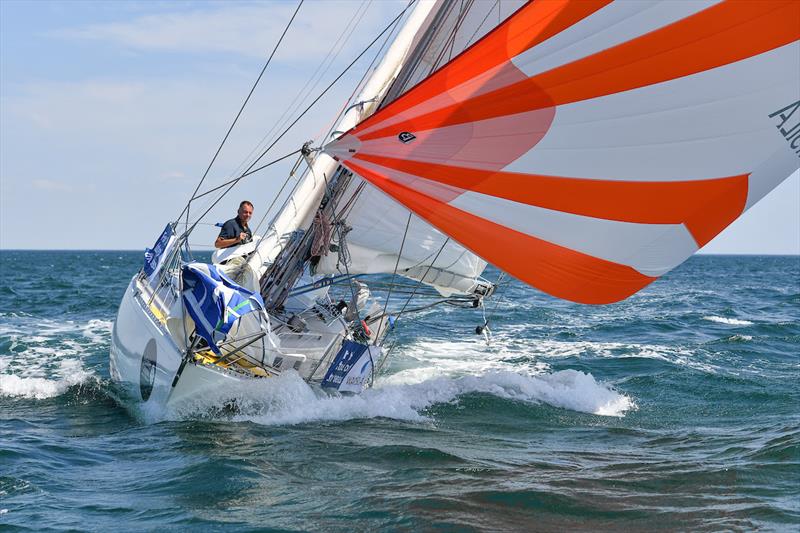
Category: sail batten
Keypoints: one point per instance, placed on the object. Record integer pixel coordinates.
(587, 147)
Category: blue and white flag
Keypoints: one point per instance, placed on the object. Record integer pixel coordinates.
(215, 302)
(351, 369)
(154, 257)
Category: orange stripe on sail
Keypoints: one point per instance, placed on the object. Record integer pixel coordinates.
(706, 207)
(717, 36)
(554, 269)
(530, 25)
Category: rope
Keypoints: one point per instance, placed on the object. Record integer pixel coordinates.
(485, 18)
(231, 184)
(496, 304)
(324, 91)
(338, 227)
(451, 39)
(250, 170)
(396, 264)
(304, 93)
(241, 109)
(392, 347)
(360, 83)
(279, 193)
(422, 278)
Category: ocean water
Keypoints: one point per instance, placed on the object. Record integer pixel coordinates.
(678, 409)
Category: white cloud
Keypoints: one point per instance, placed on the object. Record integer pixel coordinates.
(51, 185)
(174, 175)
(248, 30)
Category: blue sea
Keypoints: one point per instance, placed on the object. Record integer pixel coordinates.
(677, 409)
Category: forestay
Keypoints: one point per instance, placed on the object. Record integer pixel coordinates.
(589, 147)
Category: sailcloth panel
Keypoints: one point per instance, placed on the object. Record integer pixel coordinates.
(379, 234)
(378, 222)
(589, 147)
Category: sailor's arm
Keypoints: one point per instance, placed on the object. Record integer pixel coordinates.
(222, 242)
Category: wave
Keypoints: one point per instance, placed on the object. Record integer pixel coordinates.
(47, 356)
(288, 400)
(70, 373)
(536, 355)
(729, 321)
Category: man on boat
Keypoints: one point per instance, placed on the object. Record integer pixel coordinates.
(236, 231)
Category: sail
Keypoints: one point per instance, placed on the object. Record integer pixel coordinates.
(379, 240)
(300, 209)
(377, 235)
(589, 147)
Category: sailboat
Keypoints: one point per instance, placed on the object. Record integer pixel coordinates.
(584, 147)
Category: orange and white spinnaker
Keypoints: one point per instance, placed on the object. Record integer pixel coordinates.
(588, 147)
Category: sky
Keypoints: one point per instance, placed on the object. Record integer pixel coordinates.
(111, 111)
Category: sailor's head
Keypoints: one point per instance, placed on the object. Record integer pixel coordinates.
(245, 211)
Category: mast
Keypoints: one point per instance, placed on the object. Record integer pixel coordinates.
(382, 237)
(302, 206)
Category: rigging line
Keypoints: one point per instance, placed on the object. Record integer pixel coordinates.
(324, 91)
(396, 264)
(232, 183)
(462, 18)
(235, 180)
(338, 227)
(419, 283)
(405, 288)
(499, 298)
(350, 204)
(297, 101)
(241, 109)
(450, 41)
(360, 83)
(422, 278)
(372, 320)
(285, 202)
(346, 35)
(485, 18)
(250, 170)
(422, 261)
(271, 226)
(277, 196)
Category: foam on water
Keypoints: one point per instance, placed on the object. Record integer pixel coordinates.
(69, 373)
(434, 358)
(47, 356)
(289, 400)
(507, 352)
(548, 349)
(729, 321)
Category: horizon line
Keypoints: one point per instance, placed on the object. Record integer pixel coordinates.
(779, 254)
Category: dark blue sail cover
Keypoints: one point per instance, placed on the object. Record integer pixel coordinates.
(215, 302)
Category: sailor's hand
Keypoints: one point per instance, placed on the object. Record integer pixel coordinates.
(242, 237)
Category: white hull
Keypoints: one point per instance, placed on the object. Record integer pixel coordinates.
(138, 333)
(148, 347)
